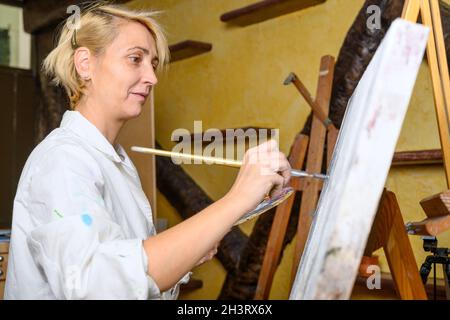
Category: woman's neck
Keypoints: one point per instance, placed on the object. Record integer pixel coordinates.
(108, 126)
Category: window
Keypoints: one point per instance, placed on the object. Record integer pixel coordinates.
(15, 43)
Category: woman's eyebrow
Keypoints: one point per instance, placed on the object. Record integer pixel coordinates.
(146, 51)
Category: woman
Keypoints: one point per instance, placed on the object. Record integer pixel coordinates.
(82, 226)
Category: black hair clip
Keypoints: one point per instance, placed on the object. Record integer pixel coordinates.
(74, 39)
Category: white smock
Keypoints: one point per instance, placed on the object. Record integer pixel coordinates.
(79, 218)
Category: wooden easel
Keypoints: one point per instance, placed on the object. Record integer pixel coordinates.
(436, 55)
(388, 232)
(310, 188)
(435, 207)
(388, 229)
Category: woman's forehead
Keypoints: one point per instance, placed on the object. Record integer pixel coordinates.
(134, 35)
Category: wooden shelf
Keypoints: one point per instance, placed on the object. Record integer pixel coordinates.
(417, 157)
(264, 10)
(187, 49)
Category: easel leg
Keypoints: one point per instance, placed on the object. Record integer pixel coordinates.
(314, 161)
(440, 84)
(398, 251)
(298, 153)
(280, 223)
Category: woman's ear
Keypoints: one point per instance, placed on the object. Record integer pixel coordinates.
(82, 59)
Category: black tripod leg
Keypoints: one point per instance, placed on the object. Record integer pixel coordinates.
(447, 279)
(425, 269)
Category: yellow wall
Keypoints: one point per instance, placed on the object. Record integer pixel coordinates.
(239, 84)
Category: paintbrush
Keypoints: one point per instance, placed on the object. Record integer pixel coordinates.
(222, 161)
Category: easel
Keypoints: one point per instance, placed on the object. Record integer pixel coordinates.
(309, 187)
(435, 207)
(436, 55)
(388, 229)
(388, 232)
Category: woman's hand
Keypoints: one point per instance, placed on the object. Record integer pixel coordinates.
(208, 256)
(265, 170)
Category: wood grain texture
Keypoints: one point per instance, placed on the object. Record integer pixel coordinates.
(398, 251)
(437, 205)
(430, 226)
(418, 157)
(441, 105)
(331, 143)
(314, 159)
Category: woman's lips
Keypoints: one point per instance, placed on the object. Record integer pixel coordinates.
(140, 96)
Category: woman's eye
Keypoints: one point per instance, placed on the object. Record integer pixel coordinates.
(135, 59)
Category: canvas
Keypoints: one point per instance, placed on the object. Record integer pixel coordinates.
(360, 165)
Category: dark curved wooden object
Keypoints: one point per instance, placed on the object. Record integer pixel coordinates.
(264, 10)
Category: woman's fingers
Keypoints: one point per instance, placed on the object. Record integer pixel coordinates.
(278, 185)
(279, 164)
(285, 169)
(264, 170)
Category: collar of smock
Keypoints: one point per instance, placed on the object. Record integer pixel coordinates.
(77, 123)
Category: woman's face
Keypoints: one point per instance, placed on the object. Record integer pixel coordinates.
(122, 77)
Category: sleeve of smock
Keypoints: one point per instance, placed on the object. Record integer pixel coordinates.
(81, 250)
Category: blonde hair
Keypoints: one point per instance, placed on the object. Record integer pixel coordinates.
(98, 27)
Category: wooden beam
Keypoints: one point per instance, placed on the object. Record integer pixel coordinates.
(280, 224)
(441, 54)
(187, 49)
(411, 10)
(314, 160)
(430, 226)
(398, 251)
(437, 209)
(266, 9)
(419, 157)
(437, 205)
(332, 136)
(438, 88)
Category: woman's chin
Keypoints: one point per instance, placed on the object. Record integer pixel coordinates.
(135, 110)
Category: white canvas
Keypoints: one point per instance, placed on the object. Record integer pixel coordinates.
(360, 164)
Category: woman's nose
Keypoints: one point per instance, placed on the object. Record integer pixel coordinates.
(150, 75)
